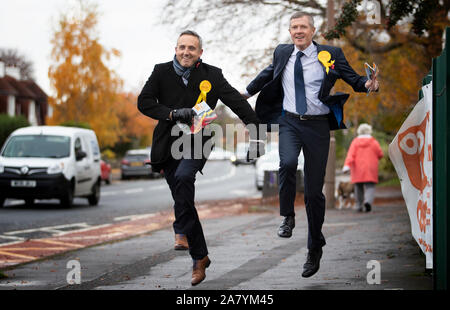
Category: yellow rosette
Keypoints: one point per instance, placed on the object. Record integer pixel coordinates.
(205, 87)
(324, 57)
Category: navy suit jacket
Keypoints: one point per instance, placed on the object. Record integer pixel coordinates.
(269, 104)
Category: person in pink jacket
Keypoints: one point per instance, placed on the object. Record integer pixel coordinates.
(362, 161)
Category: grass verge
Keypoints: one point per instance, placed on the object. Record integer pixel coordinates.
(391, 182)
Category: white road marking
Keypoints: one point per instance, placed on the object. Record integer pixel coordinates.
(56, 230)
(219, 178)
(134, 217)
(50, 229)
(14, 202)
(130, 191)
(12, 238)
(108, 193)
(134, 190)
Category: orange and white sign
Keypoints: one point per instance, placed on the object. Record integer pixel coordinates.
(411, 154)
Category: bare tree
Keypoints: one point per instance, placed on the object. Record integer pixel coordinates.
(248, 30)
(248, 22)
(400, 22)
(11, 57)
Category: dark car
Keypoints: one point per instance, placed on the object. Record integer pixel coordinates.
(136, 163)
(106, 171)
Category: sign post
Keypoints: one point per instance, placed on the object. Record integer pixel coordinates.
(441, 152)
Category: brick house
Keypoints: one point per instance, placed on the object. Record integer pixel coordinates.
(19, 97)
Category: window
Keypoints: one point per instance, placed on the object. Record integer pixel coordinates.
(78, 147)
(38, 146)
(94, 147)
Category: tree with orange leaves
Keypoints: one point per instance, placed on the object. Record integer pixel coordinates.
(86, 89)
(134, 125)
(401, 74)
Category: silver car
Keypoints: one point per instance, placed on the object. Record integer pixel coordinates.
(136, 163)
(271, 162)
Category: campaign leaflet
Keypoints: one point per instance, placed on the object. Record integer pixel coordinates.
(371, 73)
(204, 116)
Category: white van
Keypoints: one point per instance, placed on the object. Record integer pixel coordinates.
(44, 162)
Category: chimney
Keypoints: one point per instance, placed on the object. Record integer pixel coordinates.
(13, 72)
(2, 69)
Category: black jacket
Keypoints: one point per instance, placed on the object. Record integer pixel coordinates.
(165, 91)
(269, 104)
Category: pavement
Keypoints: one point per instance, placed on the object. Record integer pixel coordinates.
(246, 253)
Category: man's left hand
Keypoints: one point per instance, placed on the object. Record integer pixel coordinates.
(372, 85)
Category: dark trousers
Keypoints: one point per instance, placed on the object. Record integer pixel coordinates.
(313, 136)
(180, 175)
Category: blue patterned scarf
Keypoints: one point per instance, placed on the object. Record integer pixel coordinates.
(182, 71)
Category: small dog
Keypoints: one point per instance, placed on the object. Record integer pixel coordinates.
(345, 195)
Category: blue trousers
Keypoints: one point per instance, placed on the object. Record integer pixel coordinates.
(313, 137)
(180, 175)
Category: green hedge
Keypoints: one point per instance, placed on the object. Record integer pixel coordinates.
(10, 123)
(75, 124)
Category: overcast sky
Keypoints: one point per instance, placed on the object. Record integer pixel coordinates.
(133, 27)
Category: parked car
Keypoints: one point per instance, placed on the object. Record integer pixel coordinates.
(271, 162)
(136, 163)
(271, 146)
(240, 156)
(219, 153)
(44, 162)
(106, 171)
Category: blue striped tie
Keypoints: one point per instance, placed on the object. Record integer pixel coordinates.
(300, 97)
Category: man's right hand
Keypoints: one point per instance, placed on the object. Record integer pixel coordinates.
(184, 115)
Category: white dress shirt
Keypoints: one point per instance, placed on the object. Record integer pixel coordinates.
(313, 76)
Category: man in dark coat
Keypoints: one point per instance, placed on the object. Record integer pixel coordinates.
(295, 93)
(168, 96)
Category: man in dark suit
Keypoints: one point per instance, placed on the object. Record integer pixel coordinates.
(295, 93)
(168, 96)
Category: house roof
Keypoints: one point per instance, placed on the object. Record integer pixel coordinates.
(21, 87)
(38, 92)
(28, 89)
(6, 88)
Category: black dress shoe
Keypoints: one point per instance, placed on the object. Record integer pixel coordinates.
(286, 227)
(312, 263)
(368, 207)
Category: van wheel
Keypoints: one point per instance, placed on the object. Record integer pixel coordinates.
(94, 198)
(67, 200)
(2, 201)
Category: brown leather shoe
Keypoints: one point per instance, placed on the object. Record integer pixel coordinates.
(181, 243)
(198, 270)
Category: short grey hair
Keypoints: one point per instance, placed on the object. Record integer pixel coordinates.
(302, 14)
(364, 129)
(192, 33)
